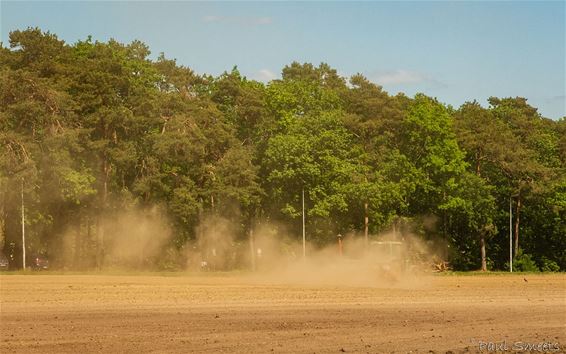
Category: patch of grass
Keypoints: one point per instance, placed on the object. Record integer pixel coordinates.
(494, 273)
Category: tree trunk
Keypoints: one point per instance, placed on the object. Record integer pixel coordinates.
(78, 245)
(252, 247)
(99, 242)
(517, 217)
(483, 256)
(102, 211)
(395, 228)
(366, 223)
(2, 220)
(478, 162)
(482, 235)
(88, 243)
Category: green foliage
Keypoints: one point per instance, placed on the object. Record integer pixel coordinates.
(313, 153)
(547, 265)
(92, 128)
(524, 262)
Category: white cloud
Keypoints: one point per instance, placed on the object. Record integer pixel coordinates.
(238, 20)
(211, 18)
(264, 75)
(263, 20)
(399, 77)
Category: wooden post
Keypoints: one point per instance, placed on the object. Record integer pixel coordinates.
(23, 230)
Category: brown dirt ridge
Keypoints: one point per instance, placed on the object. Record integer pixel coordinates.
(235, 314)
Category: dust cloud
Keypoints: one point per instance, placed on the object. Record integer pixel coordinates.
(392, 259)
(354, 263)
(131, 239)
(215, 244)
(140, 238)
(136, 237)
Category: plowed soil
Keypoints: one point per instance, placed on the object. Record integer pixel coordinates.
(182, 314)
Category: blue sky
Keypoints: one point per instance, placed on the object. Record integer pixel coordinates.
(455, 51)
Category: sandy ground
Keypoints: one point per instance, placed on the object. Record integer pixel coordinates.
(181, 314)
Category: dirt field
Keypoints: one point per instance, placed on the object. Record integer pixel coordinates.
(164, 314)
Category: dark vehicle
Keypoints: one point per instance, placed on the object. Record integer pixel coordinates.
(390, 255)
(4, 262)
(39, 263)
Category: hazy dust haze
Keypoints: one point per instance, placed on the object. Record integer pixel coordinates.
(388, 260)
(132, 238)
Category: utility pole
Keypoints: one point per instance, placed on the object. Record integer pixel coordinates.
(511, 234)
(304, 237)
(23, 230)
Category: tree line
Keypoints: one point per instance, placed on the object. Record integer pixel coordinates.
(92, 128)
